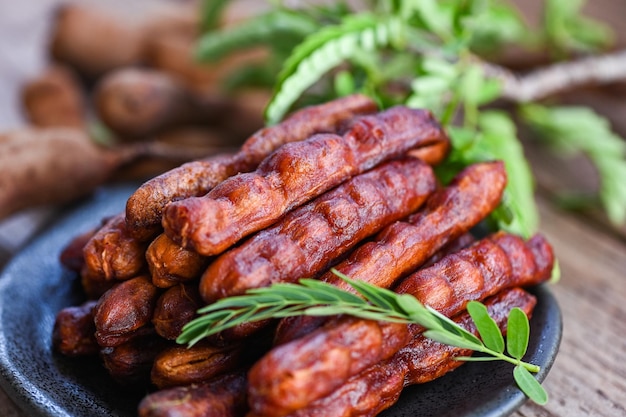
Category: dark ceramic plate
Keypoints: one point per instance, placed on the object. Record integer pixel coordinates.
(34, 287)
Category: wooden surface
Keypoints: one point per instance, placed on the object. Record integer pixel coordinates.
(589, 375)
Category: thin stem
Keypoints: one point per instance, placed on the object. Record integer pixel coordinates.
(529, 366)
(556, 78)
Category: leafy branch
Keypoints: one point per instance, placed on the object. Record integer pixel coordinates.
(433, 54)
(317, 298)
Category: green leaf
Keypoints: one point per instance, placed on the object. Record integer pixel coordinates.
(529, 385)
(579, 129)
(380, 297)
(344, 83)
(211, 13)
(486, 326)
(471, 84)
(448, 325)
(256, 31)
(566, 29)
(451, 339)
(326, 49)
(500, 140)
(518, 333)
(436, 17)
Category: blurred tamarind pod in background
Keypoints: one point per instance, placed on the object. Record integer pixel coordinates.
(54, 99)
(95, 40)
(136, 102)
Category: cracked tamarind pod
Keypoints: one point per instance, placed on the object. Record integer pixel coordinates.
(312, 237)
(171, 264)
(222, 396)
(174, 308)
(404, 246)
(293, 175)
(145, 206)
(111, 255)
(308, 239)
(124, 311)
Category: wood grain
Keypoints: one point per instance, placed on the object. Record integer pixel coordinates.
(589, 375)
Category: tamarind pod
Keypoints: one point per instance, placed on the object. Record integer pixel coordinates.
(145, 206)
(222, 396)
(293, 175)
(433, 154)
(73, 333)
(71, 257)
(130, 363)
(170, 264)
(182, 365)
(174, 308)
(54, 99)
(137, 102)
(125, 310)
(456, 245)
(450, 212)
(404, 246)
(291, 328)
(308, 239)
(499, 261)
(283, 380)
(112, 254)
(52, 166)
(319, 363)
(329, 117)
(420, 361)
(94, 42)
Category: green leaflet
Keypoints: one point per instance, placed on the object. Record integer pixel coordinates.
(326, 49)
(529, 385)
(211, 13)
(517, 339)
(487, 327)
(259, 30)
(579, 129)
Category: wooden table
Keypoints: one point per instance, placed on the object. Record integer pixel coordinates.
(589, 375)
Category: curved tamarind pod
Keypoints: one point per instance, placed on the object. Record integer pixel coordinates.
(73, 333)
(129, 363)
(71, 256)
(404, 246)
(222, 396)
(170, 264)
(293, 175)
(296, 373)
(174, 308)
(182, 365)
(125, 310)
(499, 261)
(420, 361)
(308, 239)
(55, 99)
(112, 254)
(145, 206)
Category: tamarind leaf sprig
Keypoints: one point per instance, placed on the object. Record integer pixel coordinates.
(430, 54)
(316, 298)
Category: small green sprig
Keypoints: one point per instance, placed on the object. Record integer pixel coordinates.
(316, 298)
